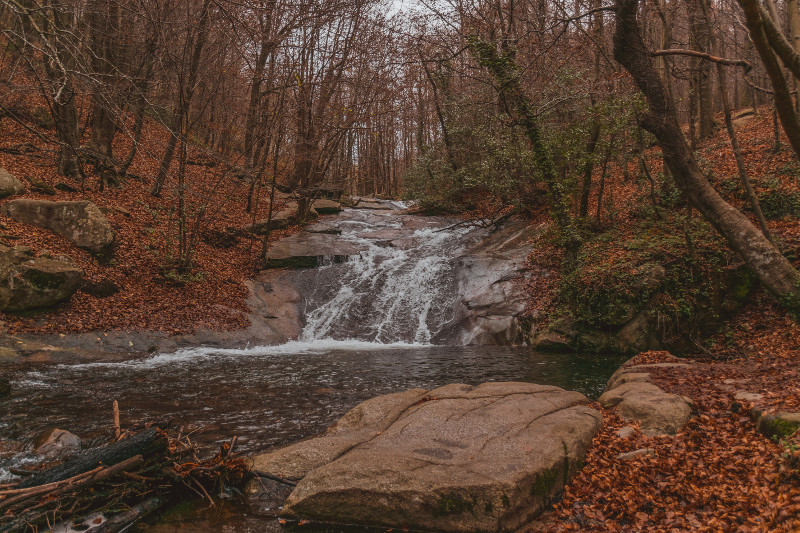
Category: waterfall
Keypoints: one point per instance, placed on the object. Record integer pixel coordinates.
(400, 289)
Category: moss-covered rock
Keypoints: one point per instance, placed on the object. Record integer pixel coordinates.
(779, 425)
(28, 282)
(655, 288)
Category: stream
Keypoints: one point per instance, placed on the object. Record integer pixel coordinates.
(380, 322)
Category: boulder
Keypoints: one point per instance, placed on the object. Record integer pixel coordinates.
(280, 220)
(327, 207)
(56, 443)
(636, 335)
(490, 275)
(457, 458)
(778, 425)
(636, 398)
(376, 206)
(27, 282)
(9, 185)
(80, 222)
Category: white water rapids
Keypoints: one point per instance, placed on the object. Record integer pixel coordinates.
(400, 289)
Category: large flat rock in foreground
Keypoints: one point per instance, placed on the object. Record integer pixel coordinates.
(456, 458)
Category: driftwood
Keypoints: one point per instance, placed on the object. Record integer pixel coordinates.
(124, 480)
(125, 519)
(146, 443)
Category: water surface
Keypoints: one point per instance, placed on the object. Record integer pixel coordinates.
(265, 396)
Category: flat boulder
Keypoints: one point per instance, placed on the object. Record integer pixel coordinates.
(280, 220)
(308, 250)
(456, 458)
(327, 207)
(9, 185)
(28, 282)
(81, 222)
(372, 203)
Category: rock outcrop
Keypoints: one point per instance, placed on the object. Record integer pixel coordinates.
(491, 279)
(81, 222)
(307, 250)
(28, 282)
(457, 458)
(9, 185)
(638, 399)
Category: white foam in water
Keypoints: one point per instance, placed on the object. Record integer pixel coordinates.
(391, 290)
(200, 353)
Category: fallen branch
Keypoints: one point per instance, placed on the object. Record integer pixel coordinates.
(147, 443)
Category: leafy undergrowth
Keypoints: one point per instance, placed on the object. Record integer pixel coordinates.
(640, 224)
(211, 297)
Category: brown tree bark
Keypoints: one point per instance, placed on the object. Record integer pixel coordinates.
(186, 88)
(783, 98)
(760, 255)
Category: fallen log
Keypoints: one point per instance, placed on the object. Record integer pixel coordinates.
(124, 481)
(145, 443)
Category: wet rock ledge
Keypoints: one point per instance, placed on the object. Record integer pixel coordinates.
(456, 458)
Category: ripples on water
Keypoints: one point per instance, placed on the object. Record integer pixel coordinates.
(266, 396)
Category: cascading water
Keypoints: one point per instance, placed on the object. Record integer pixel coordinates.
(401, 288)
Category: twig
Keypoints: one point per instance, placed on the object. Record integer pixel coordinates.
(48, 486)
(117, 428)
(202, 488)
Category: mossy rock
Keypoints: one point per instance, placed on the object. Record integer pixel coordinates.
(779, 425)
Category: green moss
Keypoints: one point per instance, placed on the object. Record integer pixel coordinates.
(504, 499)
(43, 281)
(543, 484)
(619, 275)
(453, 505)
(778, 203)
(776, 427)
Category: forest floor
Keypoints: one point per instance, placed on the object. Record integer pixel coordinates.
(151, 296)
(718, 473)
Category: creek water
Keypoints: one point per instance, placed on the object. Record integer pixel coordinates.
(380, 322)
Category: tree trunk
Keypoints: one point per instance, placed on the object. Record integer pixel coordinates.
(760, 255)
(783, 98)
(737, 153)
(506, 72)
(186, 92)
(103, 21)
(700, 79)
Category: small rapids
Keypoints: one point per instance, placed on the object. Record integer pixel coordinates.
(401, 289)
